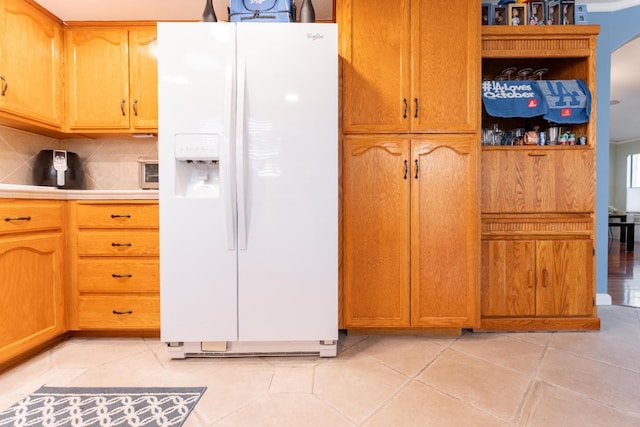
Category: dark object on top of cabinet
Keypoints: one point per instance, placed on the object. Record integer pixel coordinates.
(58, 168)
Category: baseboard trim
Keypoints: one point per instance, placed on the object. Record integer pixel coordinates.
(603, 299)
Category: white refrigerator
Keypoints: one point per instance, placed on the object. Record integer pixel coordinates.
(248, 160)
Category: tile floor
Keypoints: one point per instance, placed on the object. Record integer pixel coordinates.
(478, 379)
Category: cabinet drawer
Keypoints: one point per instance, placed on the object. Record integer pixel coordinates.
(118, 275)
(117, 216)
(118, 243)
(519, 180)
(30, 216)
(119, 312)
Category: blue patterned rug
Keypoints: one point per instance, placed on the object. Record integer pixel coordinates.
(91, 406)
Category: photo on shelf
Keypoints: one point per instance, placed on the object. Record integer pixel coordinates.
(487, 17)
(517, 14)
(499, 15)
(581, 16)
(568, 12)
(536, 13)
(553, 12)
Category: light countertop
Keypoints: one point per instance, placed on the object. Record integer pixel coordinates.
(8, 191)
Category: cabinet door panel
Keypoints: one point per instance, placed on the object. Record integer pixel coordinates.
(444, 232)
(565, 278)
(375, 65)
(31, 62)
(538, 180)
(376, 232)
(144, 78)
(32, 302)
(98, 103)
(445, 46)
(508, 278)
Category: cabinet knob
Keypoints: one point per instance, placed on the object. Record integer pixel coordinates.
(120, 215)
(122, 106)
(415, 100)
(135, 107)
(115, 244)
(404, 103)
(121, 276)
(122, 312)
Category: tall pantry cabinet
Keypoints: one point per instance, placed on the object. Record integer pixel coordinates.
(410, 123)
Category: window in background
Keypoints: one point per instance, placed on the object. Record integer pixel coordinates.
(633, 183)
(633, 170)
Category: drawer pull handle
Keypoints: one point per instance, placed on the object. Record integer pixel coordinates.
(122, 312)
(5, 85)
(120, 244)
(118, 276)
(18, 218)
(537, 154)
(120, 216)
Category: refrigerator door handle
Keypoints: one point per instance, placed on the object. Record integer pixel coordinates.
(228, 172)
(241, 161)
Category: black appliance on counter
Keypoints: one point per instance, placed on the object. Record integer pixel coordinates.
(58, 168)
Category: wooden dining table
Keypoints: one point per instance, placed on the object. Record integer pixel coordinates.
(627, 229)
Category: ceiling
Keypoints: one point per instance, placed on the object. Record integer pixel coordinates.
(625, 85)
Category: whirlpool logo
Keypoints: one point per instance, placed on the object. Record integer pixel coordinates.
(314, 36)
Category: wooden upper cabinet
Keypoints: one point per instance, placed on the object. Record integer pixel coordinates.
(97, 78)
(111, 79)
(410, 65)
(538, 180)
(30, 64)
(445, 54)
(143, 75)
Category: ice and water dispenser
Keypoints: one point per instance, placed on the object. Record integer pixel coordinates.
(197, 165)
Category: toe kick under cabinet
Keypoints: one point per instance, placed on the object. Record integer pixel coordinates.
(115, 266)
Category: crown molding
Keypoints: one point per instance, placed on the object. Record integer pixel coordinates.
(611, 6)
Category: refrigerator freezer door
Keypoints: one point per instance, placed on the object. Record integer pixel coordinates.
(288, 274)
(198, 258)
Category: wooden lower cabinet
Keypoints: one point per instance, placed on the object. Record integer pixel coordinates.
(115, 266)
(539, 283)
(32, 273)
(410, 232)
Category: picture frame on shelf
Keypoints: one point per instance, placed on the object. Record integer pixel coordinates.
(487, 17)
(500, 15)
(568, 12)
(581, 16)
(517, 14)
(536, 13)
(553, 12)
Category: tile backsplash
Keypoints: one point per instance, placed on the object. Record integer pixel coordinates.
(108, 163)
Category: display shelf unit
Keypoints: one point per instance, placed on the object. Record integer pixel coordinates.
(538, 202)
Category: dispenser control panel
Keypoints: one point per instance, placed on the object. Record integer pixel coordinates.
(197, 147)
